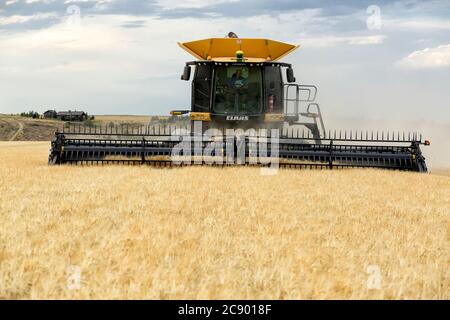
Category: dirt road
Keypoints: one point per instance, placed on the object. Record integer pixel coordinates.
(19, 130)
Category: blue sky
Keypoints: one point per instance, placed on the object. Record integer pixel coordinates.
(369, 58)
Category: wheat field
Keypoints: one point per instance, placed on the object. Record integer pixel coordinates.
(189, 233)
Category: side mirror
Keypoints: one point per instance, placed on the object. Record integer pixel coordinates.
(290, 75)
(186, 73)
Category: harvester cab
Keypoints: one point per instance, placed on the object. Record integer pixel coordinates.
(240, 83)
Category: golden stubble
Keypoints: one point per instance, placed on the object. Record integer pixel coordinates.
(220, 233)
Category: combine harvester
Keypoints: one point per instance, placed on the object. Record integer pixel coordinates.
(255, 114)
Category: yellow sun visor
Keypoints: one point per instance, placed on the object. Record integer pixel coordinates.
(225, 49)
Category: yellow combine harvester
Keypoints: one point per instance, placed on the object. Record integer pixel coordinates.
(240, 85)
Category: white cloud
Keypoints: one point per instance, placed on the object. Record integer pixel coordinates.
(428, 58)
(32, 1)
(86, 38)
(417, 24)
(110, 69)
(176, 4)
(22, 19)
(329, 41)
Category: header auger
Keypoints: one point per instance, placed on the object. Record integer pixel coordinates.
(244, 110)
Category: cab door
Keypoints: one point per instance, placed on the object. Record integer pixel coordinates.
(201, 88)
(273, 89)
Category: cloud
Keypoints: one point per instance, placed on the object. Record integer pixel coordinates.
(27, 15)
(133, 24)
(189, 8)
(19, 19)
(418, 24)
(334, 17)
(29, 22)
(329, 41)
(123, 57)
(176, 4)
(428, 58)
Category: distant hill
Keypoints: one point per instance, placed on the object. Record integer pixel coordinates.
(16, 128)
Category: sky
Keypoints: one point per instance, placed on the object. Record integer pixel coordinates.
(368, 58)
(375, 62)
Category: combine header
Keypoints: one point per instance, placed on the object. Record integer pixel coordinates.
(243, 111)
